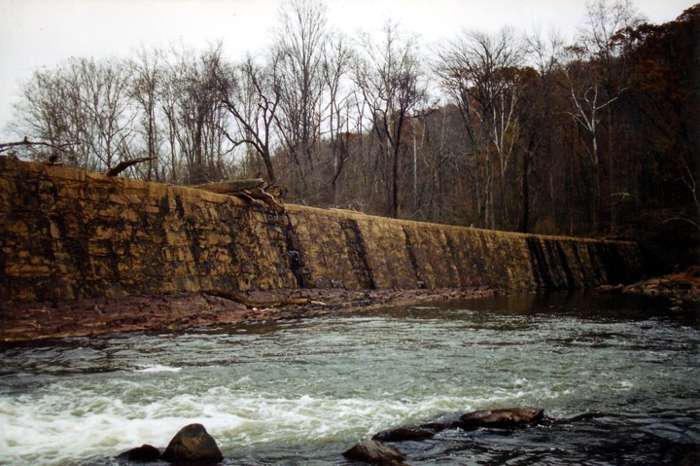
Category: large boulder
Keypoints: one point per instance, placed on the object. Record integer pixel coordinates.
(373, 452)
(193, 444)
(143, 454)
(501, 418)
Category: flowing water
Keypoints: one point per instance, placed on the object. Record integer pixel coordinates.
(302, 392)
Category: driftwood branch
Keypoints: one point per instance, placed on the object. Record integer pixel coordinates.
(26, 142)
(267, 198)
(250, 190)
(247, 302)
(123, 165)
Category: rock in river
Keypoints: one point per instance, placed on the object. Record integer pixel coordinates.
(501, 418)
(193, 444)
(402, 434)
(143, 454)
(373, 452)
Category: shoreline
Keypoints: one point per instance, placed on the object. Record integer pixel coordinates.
(27, 323)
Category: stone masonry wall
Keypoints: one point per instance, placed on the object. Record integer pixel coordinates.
(361, 251)
(68, 234)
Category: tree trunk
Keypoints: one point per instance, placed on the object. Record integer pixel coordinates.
(268, 167)
(395, 183)
(525, 190)
(611, 178)
(415, 171)
(595, 205)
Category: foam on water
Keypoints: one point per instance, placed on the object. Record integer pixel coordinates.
(159, 368)
(56, 428)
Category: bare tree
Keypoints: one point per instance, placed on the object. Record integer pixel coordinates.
(337, 60)
(300, 43)
(147, 73)
(480, 73)
(588, 101)
(389, 78)
(251, 94)
(82, 101)
(47, 112)
(104, 94)
(595, 83)
(539, 110)
(192, 105)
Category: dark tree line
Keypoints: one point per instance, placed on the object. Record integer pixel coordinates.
(505, 131)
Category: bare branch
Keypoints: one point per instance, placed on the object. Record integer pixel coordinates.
(124, 164)
(26, 142)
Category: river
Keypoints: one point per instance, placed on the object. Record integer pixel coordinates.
(302, 392)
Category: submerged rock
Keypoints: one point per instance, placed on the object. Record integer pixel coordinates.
(578, 418)
(373, 452)
(496, 418)
(402, 434)
(193, 444)
(143, 454)
(439, 426)
(501, 418)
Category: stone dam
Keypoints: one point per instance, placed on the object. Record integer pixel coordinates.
(68, 234)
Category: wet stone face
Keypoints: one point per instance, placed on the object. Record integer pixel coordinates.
(69, 234)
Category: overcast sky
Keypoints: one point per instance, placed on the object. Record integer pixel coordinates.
(35, 33)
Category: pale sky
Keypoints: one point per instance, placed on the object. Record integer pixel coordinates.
(35, 33)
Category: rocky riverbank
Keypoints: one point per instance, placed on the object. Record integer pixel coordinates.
(681, 289)
(177, 312)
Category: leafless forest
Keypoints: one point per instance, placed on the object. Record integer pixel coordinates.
(510, 130)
